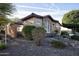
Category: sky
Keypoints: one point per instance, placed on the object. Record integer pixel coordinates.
(56, 10)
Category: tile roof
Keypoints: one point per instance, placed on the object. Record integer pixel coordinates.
(38, 16)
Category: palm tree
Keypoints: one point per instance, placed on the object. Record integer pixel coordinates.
(5, 9)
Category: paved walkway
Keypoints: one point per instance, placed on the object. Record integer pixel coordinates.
(21, 47)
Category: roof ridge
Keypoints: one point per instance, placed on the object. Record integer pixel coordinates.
(39, 16)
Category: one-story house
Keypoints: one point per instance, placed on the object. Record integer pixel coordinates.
(49, 24)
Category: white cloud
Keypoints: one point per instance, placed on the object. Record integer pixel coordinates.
(31, 8)
(55, 13)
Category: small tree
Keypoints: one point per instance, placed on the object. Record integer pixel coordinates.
(57, 44)
(71, 20)
(38, 35)
(5, 9)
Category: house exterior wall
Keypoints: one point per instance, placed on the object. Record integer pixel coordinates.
(48, 25)
(52, 26)
(58, 27)
(19, 28)
(34, 21)
(29, 22)
(38, 22)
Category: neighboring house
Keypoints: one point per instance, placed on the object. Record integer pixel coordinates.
(19, 26)
(49, 24)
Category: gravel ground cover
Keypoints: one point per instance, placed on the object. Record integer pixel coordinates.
(21, 47)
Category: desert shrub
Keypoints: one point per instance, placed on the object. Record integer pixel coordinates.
(75, 37)
(38, 34)
(27, 32)
(2, 45)
(0, 37)
(58, 44)
(19, 35)
(56, 31)
(2, 31)
(64, 33)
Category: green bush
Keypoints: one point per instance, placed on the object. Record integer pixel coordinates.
(56, 31)
(64, 33)
(2, 31)
(58, 44)
(0, 37)
(27, 32)
(75, 37)
(38, 34)
(2, 46)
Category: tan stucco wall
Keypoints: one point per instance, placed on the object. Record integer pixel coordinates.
(33, 21)
(38, 22)
(53, 25)
(28, 22)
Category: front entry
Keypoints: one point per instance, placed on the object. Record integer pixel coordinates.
(47, 27)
